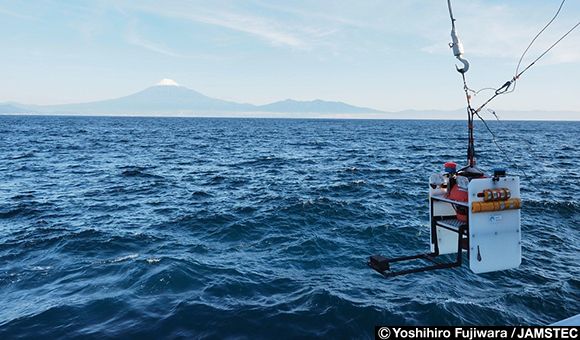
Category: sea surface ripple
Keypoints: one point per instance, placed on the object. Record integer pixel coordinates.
(260, 228)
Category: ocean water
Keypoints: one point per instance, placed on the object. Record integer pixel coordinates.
(260, 228)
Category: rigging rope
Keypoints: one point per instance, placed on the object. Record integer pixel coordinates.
(505, 88)
(494, 139)
(536, 37)
(548, 50)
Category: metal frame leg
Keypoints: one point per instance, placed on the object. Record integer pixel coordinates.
(382, 265)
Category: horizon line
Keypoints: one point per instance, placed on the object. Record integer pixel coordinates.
(283, 116)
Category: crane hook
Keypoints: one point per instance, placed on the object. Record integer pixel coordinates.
(465, 65)
(456, 44)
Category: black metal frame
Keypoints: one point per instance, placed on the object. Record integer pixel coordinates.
(382, 265)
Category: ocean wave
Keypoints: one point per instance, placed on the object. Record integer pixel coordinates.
(558, 206)
(201, 194)
(262, 161)
(139, 173)
(24, 155)
(230, 225)
(123, 258)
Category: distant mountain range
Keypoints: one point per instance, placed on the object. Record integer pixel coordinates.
(169, 98)
(11, 108)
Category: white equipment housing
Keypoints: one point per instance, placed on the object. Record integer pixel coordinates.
(492, 239)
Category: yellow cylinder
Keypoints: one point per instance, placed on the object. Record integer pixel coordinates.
(513, 203)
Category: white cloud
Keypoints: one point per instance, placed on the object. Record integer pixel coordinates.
(315, 15)
(260, 27)
(132, 37)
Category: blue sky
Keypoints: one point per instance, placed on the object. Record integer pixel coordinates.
(390, 55)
